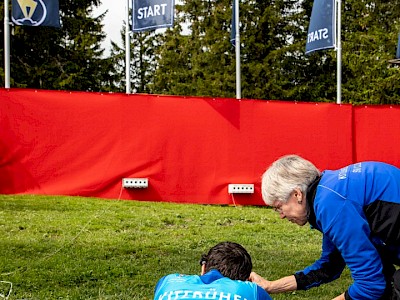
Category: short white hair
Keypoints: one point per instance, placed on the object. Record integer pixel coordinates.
(286, 174)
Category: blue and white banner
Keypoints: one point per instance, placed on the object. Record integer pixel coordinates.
(152, 14)
(322, 28)
(398, 48)
(36, 12)
(233, 24)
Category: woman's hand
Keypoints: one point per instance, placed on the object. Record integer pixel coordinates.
(284, 284)
(257, 279)
(341, 297)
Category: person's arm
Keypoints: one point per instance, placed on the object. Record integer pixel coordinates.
(158, 285)
(285, 284)
(326, 269)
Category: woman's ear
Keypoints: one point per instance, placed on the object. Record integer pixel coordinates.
(203, 269)
(299, 195)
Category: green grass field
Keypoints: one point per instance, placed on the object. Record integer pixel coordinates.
(85, 248)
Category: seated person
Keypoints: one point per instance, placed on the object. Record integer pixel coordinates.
(225, 271)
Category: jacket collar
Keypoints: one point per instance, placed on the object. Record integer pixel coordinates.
(211, 276)
(310, 196)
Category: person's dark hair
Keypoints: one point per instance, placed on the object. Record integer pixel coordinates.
(230, 259)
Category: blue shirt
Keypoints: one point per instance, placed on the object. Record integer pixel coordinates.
(341, 211)
(211, 285)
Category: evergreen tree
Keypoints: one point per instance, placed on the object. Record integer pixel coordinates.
(67, 58)
(272, 37)
(117, 56)
(270, 30)
(143, 61)
(370, 30)
(273, 60)
(308, 77)
(200, 59)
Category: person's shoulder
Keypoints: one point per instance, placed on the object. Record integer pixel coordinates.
(261, 293)
(175, 277)
(178, 276)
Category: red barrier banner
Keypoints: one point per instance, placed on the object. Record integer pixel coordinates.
(189, 148)
(378, 134)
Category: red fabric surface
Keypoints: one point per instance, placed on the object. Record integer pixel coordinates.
(378, 134)
(190, 148)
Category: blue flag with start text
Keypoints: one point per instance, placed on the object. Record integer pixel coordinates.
(321, 31)
(36, 13)
(398, 48)
(152, 14)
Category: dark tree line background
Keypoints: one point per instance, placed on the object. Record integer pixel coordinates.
(195, 57)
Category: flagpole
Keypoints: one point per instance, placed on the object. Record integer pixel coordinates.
(237, 48)
(6, 46)
(339, 53)
(127, 51)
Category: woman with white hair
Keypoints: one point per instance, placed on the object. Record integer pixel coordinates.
(357, 209)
